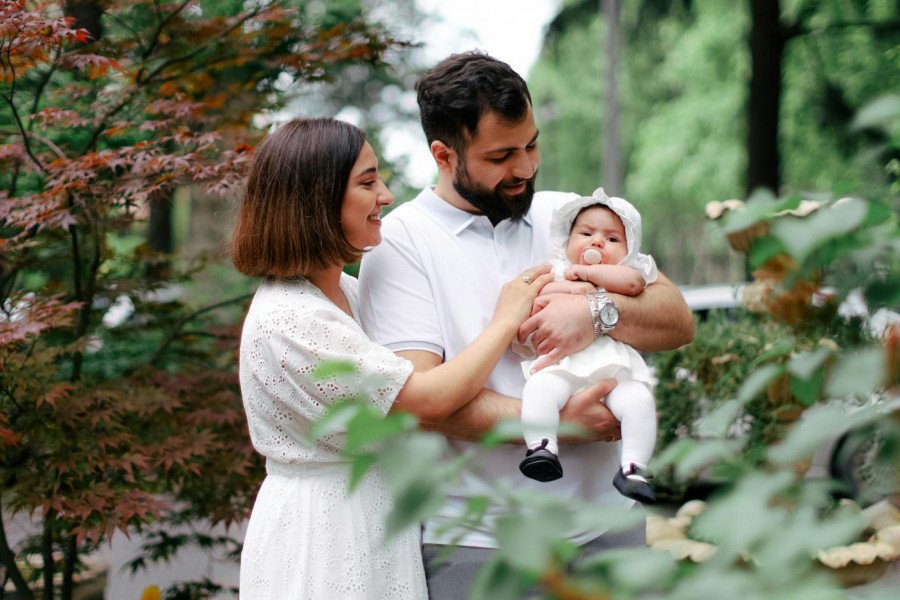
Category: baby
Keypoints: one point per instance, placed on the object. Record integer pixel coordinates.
(596, 242)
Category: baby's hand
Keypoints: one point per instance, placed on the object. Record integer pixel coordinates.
(576, 273)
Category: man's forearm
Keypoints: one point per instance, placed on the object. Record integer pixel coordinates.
(472, 420)
(657, 319)
(478, 417)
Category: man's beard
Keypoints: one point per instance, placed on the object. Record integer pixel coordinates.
(495, 204)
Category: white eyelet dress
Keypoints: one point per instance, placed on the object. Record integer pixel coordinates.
(308, 536)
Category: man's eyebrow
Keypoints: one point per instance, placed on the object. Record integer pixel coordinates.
(511, 148)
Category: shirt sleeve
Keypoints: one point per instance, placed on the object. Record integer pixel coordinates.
(325, 355)
(397, 304)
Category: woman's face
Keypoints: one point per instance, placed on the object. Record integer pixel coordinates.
(366, 195)
(599, 228)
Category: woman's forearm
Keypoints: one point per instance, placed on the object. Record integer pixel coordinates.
(440, 391)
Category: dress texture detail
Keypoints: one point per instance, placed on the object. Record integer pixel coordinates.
(309, 536)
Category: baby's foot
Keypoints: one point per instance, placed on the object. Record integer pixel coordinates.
(631, 481)
(541, 464)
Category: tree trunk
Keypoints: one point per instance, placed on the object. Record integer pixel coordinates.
(767, 41)
(159, 234)
(612, 158)
(88, 15)
(8, 562)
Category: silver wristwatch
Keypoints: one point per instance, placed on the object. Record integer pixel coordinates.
(604, 312)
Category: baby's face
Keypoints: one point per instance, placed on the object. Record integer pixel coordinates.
(597, 229)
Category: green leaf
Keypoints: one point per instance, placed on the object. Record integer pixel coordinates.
(719, 420)
(631, 568)
(505, 431)
(526, 540)
(883, 292)
(764, 249)
(359, 467)
(881, 112)
(413, 505)
(606, 518)
(744, 516)
(333, 368)
(758, 381)
(411, 459)
(704, 454)
(777, 350)
(807, 390)
(818, 425)
(495, 580)
(857, 374)
(806, 363)
(757, 208)
(335, 419)
(801, 236)
(367, 427)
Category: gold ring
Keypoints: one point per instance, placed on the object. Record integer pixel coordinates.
(527, 279)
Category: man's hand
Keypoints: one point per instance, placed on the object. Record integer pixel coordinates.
(561, 326)
(566, 287)
(586, 409)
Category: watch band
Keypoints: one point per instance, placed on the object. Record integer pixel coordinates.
(602, 301)
(595, 313)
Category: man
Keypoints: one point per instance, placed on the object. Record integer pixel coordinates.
(431, 286)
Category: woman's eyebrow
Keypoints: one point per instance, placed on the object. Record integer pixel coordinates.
(367, 171)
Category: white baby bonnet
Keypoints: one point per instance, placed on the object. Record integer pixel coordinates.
(564, 216)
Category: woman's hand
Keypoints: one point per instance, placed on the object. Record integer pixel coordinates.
(567, 287)
(517, 296)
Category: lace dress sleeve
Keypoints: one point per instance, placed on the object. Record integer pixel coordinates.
(291, 336)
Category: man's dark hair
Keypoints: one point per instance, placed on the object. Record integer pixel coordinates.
(289, 221)
(455, 93)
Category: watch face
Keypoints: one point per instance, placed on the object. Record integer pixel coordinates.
(609, 314)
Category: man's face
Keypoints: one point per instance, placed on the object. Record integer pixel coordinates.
(496, 172)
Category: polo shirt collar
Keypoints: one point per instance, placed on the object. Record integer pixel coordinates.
(454, 218)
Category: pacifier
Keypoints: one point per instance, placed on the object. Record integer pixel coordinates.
(592, 256)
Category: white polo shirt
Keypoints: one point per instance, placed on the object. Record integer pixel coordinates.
(432, 284)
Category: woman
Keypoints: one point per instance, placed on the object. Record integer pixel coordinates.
(312, 205)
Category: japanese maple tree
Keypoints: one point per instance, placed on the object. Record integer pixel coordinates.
(97, 123)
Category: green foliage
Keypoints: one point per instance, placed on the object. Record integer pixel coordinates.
(747, 402)
(683, 90)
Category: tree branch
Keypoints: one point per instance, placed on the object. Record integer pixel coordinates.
(184, 320)
(154, 39)
(143, 81)
(24, 133)
(39, 138)
(40, 88)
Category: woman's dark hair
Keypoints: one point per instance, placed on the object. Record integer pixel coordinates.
(455, 93)
(289, 221)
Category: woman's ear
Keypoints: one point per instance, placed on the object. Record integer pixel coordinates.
(444, 156)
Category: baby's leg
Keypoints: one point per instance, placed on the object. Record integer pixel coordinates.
(544, 395)
(632, 403)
